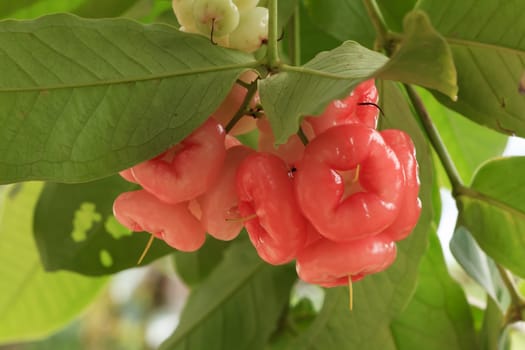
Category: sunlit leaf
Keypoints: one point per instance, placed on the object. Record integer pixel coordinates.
(33, 303)
(75, 229)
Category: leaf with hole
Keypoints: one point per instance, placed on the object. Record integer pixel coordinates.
(75, 229)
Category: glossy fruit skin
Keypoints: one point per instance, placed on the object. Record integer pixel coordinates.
(320, 188)
(186, 170)
(219, 205)
(265, 189)
(291, 151)
(244, 5)
(330, 264)
(349, 110)
(183, 10)
(252, 31)
(173, 223)
(219, 17)
(127, 175)
(410, 207)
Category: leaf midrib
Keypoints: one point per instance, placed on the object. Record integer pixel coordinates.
(183, 336)
(131, 80)
(479, 196)
(479, 44)
(322, 74)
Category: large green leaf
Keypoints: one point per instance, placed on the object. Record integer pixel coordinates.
(194, 267)
(299, 91)
(103, 8)
(82, 99)
(486, 38)
(448, 322)
(342, 19)
(494, 211)
(237, 306)
(479, 266)
(380, 298)
(7, 8)
(469, 152)
(33, 302)
(317, 39)
(394, 11)
(27, 9)
(306, 90)
(423, 57)
(75, 229)
(492, 334)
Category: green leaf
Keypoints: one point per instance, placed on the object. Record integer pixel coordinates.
(423, 58)
(492, 333)
(468, 153)
(194, 267)
(9, 7)
(448, 322)
(299, 317)
(394, 11)
(75, 229)
(299, 91)
(479, 266)
(237, 306)
(82, 99)
(103, 8)
(33, 303)
(486, 38)
(318, 40)
(342, 19)
(379, 298)
(285, 10)
(28, 9)
(493, 211)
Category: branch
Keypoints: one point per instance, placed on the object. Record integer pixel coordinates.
(435, 140)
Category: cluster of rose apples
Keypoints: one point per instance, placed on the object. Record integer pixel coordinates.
(334, 199)
(237, 24)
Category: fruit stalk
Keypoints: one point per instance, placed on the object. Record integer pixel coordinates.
(252, 89)
(374, 14)
(294, 40)
(435, 140)
(272, 54)
(516, 302)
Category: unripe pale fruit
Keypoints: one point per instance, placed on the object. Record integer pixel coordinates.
(223, 41)
(219, 17)
(252, 30)
(244, 5)
(183, 10)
